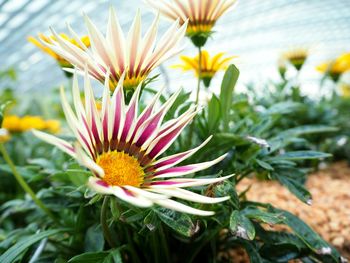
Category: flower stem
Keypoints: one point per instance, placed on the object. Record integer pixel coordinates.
(197, 92)
(24, 185)
(199, 74)
(104, 224)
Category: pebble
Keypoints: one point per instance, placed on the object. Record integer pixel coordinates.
(329, 214)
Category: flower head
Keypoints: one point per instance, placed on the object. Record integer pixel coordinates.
(209, 65)
(201, 14)
(296, 57)
(14, 123)
(336, 67)
(282, 68)
(135, 55)
(121, 148)
(82, 43)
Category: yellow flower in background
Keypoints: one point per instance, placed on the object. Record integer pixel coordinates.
(209, 65)
(296, 57)
(53, 126)
(31, 122)
(201, 15)
(82, 43)
(14, 123)
(4, 135)
(345, 90)
(11, 123)
(336, 67)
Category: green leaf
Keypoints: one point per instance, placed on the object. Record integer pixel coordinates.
(303, 155)
(287, 136)
(133, 215)
(281, 246)
(277, 237)
(24, 171)
(180, 104)
(151, 221)
(284, 107)
(114, 257)
(78, 176)
(179, 222)
(15, 251)
(90, 257)
(227, 87)
(230, 139)
(94, 240)
(227, 188)
(213, 113)
(241, 226)
(111, 256)
(264, 165)
(295, 187)
(282, 162)
(234, 218)
(279, 253)
(263, 216)
(308, 236)
(308, 129)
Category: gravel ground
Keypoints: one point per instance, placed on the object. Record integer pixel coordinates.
(329, 214)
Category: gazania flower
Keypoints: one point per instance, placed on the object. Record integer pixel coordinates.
(14, 123)
(296, 57)
(82, 43)
(337, 67)
(209, 66)
(115, 53)
(201, 14)
(122, 149)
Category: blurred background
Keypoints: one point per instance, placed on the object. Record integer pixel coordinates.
(298, 108)
(256, 31)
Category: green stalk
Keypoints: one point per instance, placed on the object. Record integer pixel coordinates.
(164, 243)
(197, 92)
(24, 185)
(199, 74)
(197, 249)
(104, 224)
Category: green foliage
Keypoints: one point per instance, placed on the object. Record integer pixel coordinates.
(263, 139)
(13, 254)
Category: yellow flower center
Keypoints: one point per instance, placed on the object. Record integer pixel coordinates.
(121, 169)
(199, 28)
(129, 83)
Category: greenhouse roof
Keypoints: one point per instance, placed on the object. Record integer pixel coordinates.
(256, 31)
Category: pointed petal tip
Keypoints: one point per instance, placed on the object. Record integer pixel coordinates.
(97, 185)
(180, 207)
(227, 177)
(36, 132)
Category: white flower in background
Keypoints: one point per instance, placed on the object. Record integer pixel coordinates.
(201, 15)
(134, 54)
(121, 148)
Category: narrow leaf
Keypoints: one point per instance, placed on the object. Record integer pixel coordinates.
(13, 252)
(227, 87)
